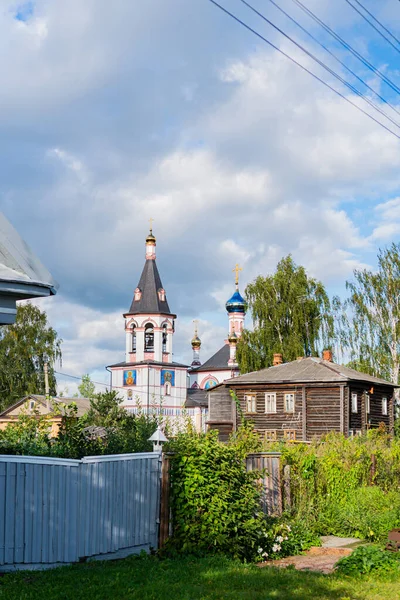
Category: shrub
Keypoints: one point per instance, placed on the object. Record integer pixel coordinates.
(367, 559)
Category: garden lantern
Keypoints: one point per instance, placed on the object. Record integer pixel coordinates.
(158, 438)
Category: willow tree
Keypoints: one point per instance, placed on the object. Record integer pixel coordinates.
(24, 348)
(370, 325)
(291, 315)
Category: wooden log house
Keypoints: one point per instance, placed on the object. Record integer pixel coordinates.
(303, 400)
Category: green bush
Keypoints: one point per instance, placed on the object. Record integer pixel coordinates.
(368, 559)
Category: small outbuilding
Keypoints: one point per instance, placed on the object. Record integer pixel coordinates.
(302, 400)
(22, 275)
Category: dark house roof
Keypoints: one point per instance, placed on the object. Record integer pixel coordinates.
(156, 363)
(217, 362)
(149, 285)
(307, 370)
(196, 397)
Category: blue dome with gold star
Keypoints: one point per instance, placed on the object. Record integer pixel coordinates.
(236, 303)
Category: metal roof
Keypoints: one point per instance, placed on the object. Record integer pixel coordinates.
(196, 397)
(18, 264)
(217, 362)
(149, 285)
(83, 404)
(306, 370)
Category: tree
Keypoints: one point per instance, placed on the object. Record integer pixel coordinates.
(291, 315)
(370, 321)
(24, 348)
(86, 387)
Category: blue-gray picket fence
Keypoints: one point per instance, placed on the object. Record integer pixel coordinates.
(55, 511)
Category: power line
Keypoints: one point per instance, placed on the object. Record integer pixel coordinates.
(347, 46)
(377, 21)
(372, 25)
(343, 64)
(80, 379)
(303, 67)
(322, 64)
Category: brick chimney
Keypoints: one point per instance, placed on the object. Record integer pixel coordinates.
(327, 355)
(277, 360)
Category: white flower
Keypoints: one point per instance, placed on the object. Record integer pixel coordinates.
(279, 539)
(265, 554)
(276, 548)
(288, 528)
(286, 538)
(259, 550)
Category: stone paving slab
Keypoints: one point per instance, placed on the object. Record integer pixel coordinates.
(332, 541)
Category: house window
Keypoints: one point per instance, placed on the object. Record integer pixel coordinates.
(384, 406)
(149, 338)
(31, 404)
(270, 403)
(270, 435)
(251, 404)
(289, 434)
(367, 403)
(133, 328)
(354, 404)
(289, 403)
(168, 389)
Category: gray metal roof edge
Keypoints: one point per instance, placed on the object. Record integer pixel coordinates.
(148, 362)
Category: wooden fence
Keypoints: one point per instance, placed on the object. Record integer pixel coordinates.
(58, 511)
(270, 464)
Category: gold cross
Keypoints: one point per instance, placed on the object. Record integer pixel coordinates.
(236, 270)
(195, 326)
(151, 224)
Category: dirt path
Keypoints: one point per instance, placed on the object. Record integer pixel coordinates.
(321, 559)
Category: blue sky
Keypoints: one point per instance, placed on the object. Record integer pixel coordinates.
(111, 113)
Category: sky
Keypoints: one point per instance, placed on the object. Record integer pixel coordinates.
(115, 112)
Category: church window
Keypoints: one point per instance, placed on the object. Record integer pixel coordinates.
(167, 388)
(164, 338)
(149, 338)
(161, 295)
(133, 338)
(138, 294)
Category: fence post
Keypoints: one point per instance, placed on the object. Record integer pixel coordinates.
(164, 500)
(286, 488)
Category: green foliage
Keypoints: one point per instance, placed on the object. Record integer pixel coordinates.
(369, 326)
(214, 501)
(86, 387)
(368, 559)
(291, 314)
(331, 485)
(106, 429)
(24, 348)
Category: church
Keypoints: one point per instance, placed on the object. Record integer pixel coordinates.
(149, 379)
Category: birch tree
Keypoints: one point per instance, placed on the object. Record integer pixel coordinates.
(291, 315)
(371, 327)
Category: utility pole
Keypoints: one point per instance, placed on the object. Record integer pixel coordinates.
(46, 385)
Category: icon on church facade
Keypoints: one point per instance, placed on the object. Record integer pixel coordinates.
(210, 383)
(167, 377)
(129, 378)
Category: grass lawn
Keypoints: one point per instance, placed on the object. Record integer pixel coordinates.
(189, 579)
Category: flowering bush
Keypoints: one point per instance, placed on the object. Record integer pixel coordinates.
(282, 538)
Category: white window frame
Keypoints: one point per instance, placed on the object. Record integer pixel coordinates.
(253, 405)
(354, 402)
(270, 403)
(367, 403)
(31, 404)
(168, 388)
(286, 407)
(384, 406)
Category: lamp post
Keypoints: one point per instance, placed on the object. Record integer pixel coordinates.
(158, 438)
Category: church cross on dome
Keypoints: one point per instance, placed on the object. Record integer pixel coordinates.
(236, 270)
(151, 221)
